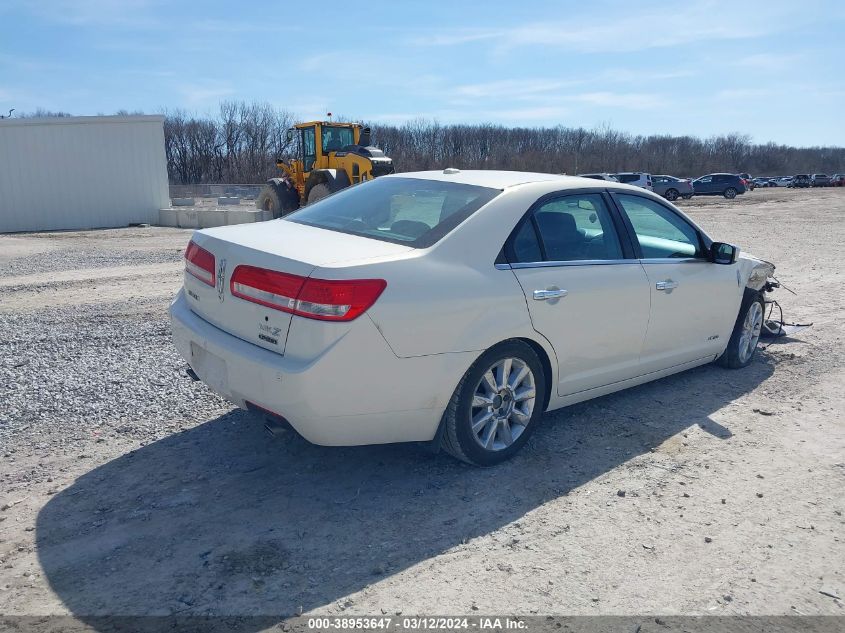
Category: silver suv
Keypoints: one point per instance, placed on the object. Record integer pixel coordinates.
(602, 176)
(636, 178)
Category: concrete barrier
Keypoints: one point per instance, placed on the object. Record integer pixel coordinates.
(209, 218)
(200, 218)
(182, 202)
(168, 217)
(228, 201)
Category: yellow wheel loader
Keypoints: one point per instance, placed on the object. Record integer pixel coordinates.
(330, 156)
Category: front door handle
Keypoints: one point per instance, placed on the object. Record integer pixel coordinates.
(666, 285)
(549, 293)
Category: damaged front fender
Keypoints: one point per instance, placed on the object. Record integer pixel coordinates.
(753, 272)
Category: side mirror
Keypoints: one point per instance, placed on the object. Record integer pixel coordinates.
(723, 253)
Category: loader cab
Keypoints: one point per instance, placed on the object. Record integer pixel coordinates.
(318, 139)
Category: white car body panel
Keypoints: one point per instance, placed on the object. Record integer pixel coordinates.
(596, 342)
(693, 320)
(442, 307)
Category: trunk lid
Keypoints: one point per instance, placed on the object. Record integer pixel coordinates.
(277, 245)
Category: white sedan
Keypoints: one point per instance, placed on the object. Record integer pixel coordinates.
(456, 307)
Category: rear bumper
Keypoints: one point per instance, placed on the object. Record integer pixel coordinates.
(356, 392)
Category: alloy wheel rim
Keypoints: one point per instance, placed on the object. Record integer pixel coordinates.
(502, 404)
(751, 327)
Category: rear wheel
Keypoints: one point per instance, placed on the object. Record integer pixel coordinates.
(671, 195)
(318, 192)
(746, 332)
(730, 193)
(496, 406)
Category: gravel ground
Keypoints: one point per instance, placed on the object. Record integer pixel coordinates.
(126, 488)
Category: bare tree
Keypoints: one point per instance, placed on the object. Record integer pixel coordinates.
(241, 143)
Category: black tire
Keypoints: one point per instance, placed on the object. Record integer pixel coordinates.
(318, 192)
(279, 203)
(730, 193)
(671, 195)
(687, 196)
(733, 358)
(458, 437)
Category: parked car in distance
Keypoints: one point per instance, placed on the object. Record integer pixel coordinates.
(671, 187)
(365, 318)
(783, 181)
(819, 180)
(604, 176)
(763, 182)
(748, 181)
(800, 181)
(728, 185)
(636, 178)
(837, 180)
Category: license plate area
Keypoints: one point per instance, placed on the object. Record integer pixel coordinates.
(210, 368)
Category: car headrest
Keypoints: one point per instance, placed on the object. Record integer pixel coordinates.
(411, 228)
(558, 226)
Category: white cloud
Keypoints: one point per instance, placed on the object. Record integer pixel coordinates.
(204, 94)
(769, 62)
(510, 88)
(235, 26)
(631, 100)
(134, 14)
(538, 113)
(742, 94)
(625, 31)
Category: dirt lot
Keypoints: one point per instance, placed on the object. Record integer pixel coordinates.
(126, 488)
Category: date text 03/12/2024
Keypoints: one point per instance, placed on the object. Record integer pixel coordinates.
(480, 623)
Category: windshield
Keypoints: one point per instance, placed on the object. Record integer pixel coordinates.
(336, 138)
(411, 211)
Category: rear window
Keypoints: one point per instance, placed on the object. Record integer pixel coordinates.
(411, 211)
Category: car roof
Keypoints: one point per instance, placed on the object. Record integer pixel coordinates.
(495, 179)
(499, 179)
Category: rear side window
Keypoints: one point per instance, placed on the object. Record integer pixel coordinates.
(525, 245)
(660, 232)
(411, 211)
(570, 228)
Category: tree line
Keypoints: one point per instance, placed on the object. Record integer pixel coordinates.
(241, 141)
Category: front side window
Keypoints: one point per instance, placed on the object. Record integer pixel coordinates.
(660, 232)
(411, 211)
(570, 228)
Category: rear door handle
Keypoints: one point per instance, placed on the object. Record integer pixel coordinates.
(549, 293)
(666, 285)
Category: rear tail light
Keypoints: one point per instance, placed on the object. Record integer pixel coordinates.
(200, 263)
(322, 299)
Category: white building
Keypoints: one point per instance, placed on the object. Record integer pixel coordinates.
(81, 172)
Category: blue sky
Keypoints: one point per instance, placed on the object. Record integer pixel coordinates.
(773, 69)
